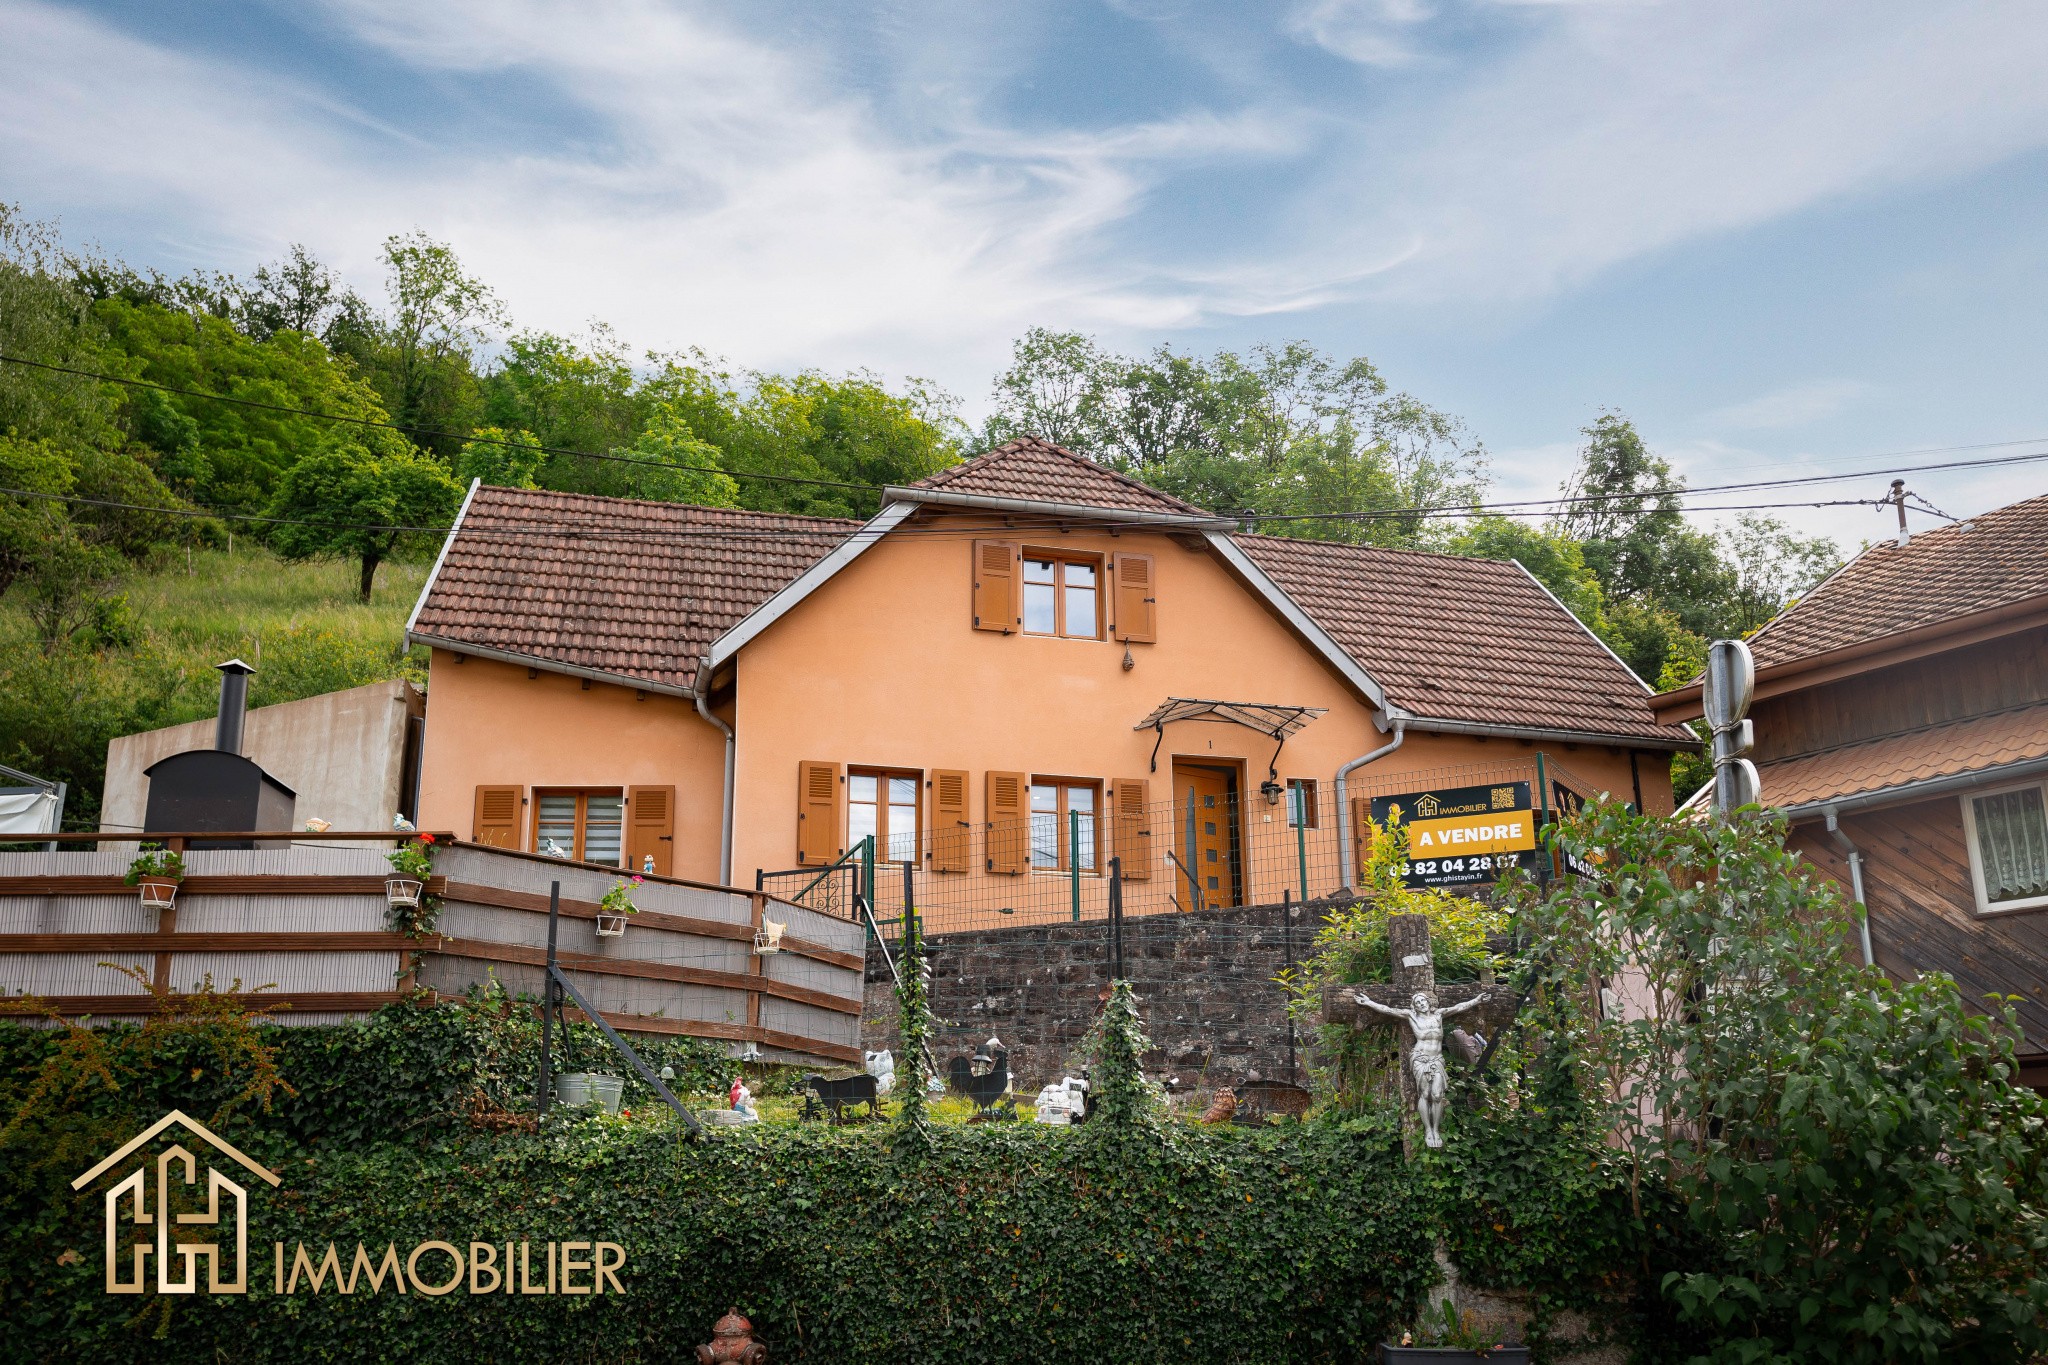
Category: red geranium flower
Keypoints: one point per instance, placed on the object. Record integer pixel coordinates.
(426, 838)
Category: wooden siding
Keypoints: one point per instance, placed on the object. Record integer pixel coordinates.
(1978, 680)
(1916, 877)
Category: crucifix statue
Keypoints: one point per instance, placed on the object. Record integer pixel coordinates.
(1413, 998)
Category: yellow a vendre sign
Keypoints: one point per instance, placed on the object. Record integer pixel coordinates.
(1460, 836)
(159, 1209)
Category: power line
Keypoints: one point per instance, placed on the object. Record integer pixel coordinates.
(597, 531)
(433, 431)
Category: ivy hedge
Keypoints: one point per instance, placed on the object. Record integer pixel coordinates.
(1127, 1241)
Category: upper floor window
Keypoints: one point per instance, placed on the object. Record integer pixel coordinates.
(1062, 596)
(883, 804)
(2007, 832)
(588, 826)
(1063, 829)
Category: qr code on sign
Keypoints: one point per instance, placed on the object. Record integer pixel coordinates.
(1503, 798)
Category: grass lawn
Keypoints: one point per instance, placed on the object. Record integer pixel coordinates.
(298, 624)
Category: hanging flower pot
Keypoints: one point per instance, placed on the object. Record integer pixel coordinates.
(158, 893)
(768, 938)
(403, 892)
(613, 909)
(156, 873)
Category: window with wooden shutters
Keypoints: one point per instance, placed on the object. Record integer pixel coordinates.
(1137, 600)
(1131, 827)
(952, 841)
(1008, 827)
(995, 586)
(587, 826)
(497, 816)
(651, 829)
(817, 813)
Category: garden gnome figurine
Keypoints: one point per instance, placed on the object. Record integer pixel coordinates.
(743, 1099)
(732, 1343)
(1426, 1021)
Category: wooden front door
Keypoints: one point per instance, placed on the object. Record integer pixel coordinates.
(1205, 836)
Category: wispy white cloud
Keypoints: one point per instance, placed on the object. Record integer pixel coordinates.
(1606, 133)
(1793, 406)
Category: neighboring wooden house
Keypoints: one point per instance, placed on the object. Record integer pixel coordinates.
(1902, 724)
(1014, 671)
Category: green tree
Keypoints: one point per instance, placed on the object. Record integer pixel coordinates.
(571, 395)
(677, 467)
(502, 459)
(46, 317)
(421, 356)
(1284, 430)
(226, 455)
(363, 500)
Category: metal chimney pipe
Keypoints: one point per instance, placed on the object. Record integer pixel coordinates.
(234, 705)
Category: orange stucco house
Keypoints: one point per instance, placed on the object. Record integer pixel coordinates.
(1017, 670)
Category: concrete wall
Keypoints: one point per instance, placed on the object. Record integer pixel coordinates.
(342, 752)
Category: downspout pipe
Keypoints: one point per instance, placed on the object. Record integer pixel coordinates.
(1344, 805)
(1855, 857)
(703, 691)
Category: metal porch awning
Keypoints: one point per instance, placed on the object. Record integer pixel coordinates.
(1276, 722)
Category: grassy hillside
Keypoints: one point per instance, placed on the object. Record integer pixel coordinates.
(298, 624)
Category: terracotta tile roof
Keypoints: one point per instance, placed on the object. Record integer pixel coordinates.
(1995, 560)
(1461, 639)
(1039, 471)
(1962, 746)
(633, 589)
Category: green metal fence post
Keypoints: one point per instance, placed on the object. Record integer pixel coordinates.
(867, 871)
(1301, 835)
(1074, 858)
(1542, 820)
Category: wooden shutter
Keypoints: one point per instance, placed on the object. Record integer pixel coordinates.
(1137, 601)
(497, 816)
(651, 828)
(817, 813)
(952, 841)
(995, 586)
(1008, 830)
(1131, 827)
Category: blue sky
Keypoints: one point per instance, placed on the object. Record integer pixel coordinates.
(1783, 237)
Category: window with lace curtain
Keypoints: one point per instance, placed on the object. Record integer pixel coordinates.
(2007, 832)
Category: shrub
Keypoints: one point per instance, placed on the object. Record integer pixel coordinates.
(1861, 1180)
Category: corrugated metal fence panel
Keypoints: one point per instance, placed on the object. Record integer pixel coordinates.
(286, 973)
(72, 973)
(828, 931)
(808, 1021)
(281, 914)
(794, 970)
(76, 915)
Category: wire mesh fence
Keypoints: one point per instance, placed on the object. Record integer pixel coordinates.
(1076, 849)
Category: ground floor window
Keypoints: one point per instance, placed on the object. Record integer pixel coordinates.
(588, 826)
(2007, 832)
(883, 804)
(1055, 804)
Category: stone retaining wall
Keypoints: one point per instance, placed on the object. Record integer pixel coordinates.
(1204, 980)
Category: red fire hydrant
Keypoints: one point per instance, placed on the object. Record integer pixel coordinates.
(732, 1343)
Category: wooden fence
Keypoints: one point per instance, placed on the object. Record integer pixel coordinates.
(306, 924)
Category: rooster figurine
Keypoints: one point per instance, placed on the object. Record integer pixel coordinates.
(985, 1079)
